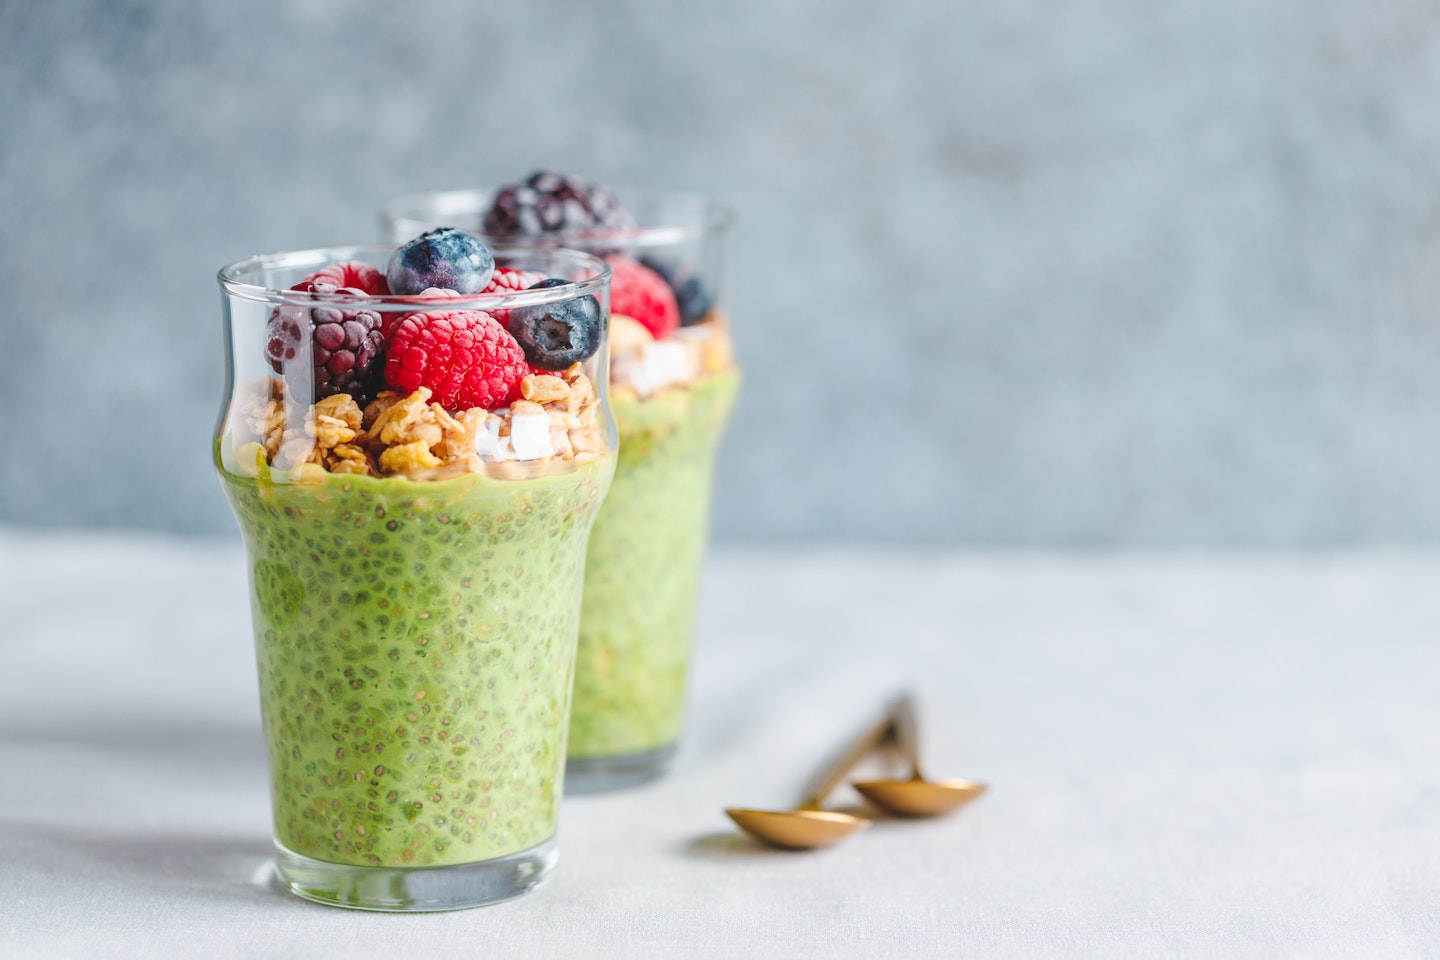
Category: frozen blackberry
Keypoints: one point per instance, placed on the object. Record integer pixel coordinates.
(344, 338)
(553, 203)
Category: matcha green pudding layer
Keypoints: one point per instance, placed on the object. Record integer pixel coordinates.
(414, 642)
(643, 573)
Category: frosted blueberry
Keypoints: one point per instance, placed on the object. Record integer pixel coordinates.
(447, 258)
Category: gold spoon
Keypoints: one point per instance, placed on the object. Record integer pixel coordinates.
(915, 797)
(810, 825)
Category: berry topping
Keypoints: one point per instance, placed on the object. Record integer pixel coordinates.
(555, 335)
(551, 203)
(510, 280)
(690, 293)
(639, 292)
(464, 356)
(391, 320)
(352, 273)
(344, 339)
(447, 258)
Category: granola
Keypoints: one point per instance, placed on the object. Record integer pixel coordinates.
(641, 366)
(557, 420)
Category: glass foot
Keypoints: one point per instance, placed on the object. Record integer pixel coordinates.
(415, 889)
(603, 774)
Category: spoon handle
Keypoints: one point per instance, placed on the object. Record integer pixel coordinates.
(831, 776)
(907, 737)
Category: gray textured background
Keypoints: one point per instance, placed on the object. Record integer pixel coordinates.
(1009, 271)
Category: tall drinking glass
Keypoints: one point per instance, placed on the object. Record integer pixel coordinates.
(672, 394)
(415, 573)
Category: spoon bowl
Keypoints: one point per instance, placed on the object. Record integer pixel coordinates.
(809, 825)
(915, 796)
(796, 829)
(919, 798)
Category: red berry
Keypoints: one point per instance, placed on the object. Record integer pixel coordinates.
(392, 318)
(465, 357)
(351, 273)
(639, 292)
(510, 280)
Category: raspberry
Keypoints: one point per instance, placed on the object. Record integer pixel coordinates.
(393, 318)
(352, 273)
(510, 280)
(552, 203)
(639, 292)
(344, 338)
(465, 357)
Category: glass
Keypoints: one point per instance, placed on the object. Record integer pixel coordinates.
(415, 578)
(642, 574)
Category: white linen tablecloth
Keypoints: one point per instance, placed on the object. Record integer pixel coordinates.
(1189, 756)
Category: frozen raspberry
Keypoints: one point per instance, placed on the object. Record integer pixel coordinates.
(392, 318)
(352, 273)
(465, 357)
(551, 203)
(639, 292)
(344, 338)
(510, 280)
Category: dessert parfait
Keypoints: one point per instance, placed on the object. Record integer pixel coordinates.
(673, 381)
(415, 442)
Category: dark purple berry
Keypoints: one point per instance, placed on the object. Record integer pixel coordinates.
(446, 258)
(555, 335)
(552, 203)
(344, 337)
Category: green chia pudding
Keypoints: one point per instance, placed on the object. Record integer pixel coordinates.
(672, 380)
(414, 642)
(643, 571)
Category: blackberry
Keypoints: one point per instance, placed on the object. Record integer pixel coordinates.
(344, 337)
(691, 295)
(555, 335)
(552, 203)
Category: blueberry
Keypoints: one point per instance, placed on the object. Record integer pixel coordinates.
(555, 335)
(690, 293)
(447, 258)
(694, 301)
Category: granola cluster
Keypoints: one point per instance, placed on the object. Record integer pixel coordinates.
(642, 366)
(556, 420)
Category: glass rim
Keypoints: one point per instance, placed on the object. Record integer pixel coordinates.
(230, 278)
(715, 217)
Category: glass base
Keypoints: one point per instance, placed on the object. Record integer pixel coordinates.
(415, 889)
(603, 774)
